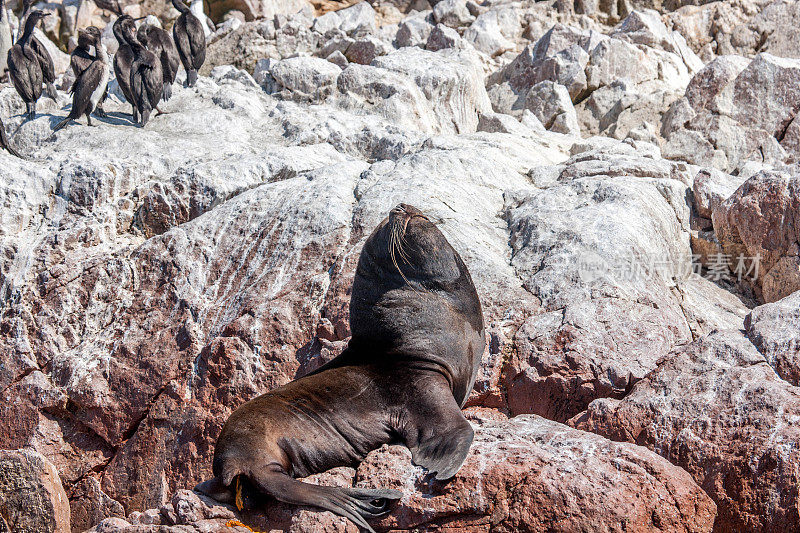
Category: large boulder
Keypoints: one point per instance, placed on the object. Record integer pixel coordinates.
(612, 307)
(735, 112)
(433, 92)
(31, 495)
(775, 330)
(531, 474)
(356, 20)
(718, 410)
(549, 102)
(760, 223)
(243, 45)
(257, 9)
(495, 31)
(560, 56)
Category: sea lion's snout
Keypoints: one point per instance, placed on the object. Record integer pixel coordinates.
(399, 213)
(408, 210)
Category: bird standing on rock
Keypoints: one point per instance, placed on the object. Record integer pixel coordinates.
(24, 66)
(160, 43)
(91, 84)
(146, 78)
(123, 60)
(4, 143)
(190, 40)
(45, 60)
(82, 59)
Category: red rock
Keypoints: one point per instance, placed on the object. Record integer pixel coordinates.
(31, 495)
(531, 474)
(762, 219)
(717, 409)
(89, 505)
(522, 474)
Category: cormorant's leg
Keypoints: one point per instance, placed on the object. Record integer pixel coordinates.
(191, 78)
(145, 117)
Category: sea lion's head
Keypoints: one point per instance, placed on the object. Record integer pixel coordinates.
(408, 251)
(406, 265)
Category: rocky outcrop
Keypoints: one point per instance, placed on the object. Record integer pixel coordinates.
(31, 495)
(718, 410)
(192, 287)
(734, 112)
(599, 181)
(442, 88)
(507, 482)
(256, 9)
(585, 344)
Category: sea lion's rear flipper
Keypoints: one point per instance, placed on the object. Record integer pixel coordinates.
(355, 504)
(436, 431)
(214, 488)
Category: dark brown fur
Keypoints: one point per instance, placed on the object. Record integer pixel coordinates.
(417, 342)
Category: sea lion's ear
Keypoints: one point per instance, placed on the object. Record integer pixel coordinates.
(436, 431)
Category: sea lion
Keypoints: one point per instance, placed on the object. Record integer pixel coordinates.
(417, 341)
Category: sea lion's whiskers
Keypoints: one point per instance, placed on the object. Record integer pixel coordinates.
(393, 244)
(401, 234)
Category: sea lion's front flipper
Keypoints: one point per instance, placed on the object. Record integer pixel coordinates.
(355, 504)
(436, 431)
